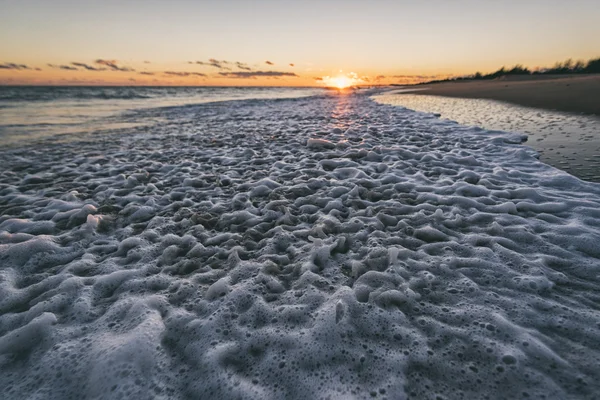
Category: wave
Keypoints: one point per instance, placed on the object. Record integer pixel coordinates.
(10, 94)
(47, 109)
(36, 94)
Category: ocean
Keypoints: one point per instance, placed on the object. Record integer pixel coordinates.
(286, 243)
(31, 112)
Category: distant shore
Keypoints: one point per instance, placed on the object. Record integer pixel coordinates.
(570, 93)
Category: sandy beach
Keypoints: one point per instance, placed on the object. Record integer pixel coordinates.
(311, 247)
(570, 93)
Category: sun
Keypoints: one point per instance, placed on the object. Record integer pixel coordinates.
(341, 82)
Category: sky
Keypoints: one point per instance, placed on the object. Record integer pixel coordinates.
(285, 42)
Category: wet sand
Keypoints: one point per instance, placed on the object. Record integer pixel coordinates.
(570, 93)
(567, 141)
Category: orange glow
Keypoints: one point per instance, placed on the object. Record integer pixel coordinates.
(342, 81)
(154, 75)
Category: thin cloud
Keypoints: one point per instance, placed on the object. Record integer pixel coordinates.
(147, 62)
(65, 67)
(146, 73)
(243, 66)
(112, 64)
(269, 62)
(219, 64)
(292, 65)
(214, 63)
(415, 76)
(379, 77)
(223, 65)
(255, 74)
(183, 73)
(13, 66)
(87, 66)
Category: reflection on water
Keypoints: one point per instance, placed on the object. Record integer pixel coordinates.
(566, 141)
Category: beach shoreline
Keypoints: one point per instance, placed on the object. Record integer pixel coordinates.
(236, 249)
(567, 141)
(567, 93)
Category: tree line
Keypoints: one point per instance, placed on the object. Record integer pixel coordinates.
(566, 67)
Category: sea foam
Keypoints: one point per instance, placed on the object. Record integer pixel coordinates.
(327, 247)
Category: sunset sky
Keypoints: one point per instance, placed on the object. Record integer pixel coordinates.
(285, 42)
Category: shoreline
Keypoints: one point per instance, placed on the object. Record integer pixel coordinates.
(266, 243)
(567, 141)
(567, 93)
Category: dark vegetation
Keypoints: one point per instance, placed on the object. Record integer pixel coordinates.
(566, 67)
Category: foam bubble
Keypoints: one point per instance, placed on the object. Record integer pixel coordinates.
(308, 248)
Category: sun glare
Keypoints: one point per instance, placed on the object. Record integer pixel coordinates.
(342, 81)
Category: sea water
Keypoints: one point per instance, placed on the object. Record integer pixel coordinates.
(29, 112)
(316, 247)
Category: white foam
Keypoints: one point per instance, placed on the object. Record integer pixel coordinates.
(314, 248)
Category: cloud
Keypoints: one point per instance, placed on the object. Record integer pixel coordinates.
(146, 73)
(223, 64)
(112, 64)
(318, 79)
(147, 62)
(379, 77)
(65, 67)
(183, 73)
(214, 63)
(269, 62)
(255, 74)
(243, 66)
(291, 64)
(13, 66)
(415, 76)
(86, 66)
(218, 64)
